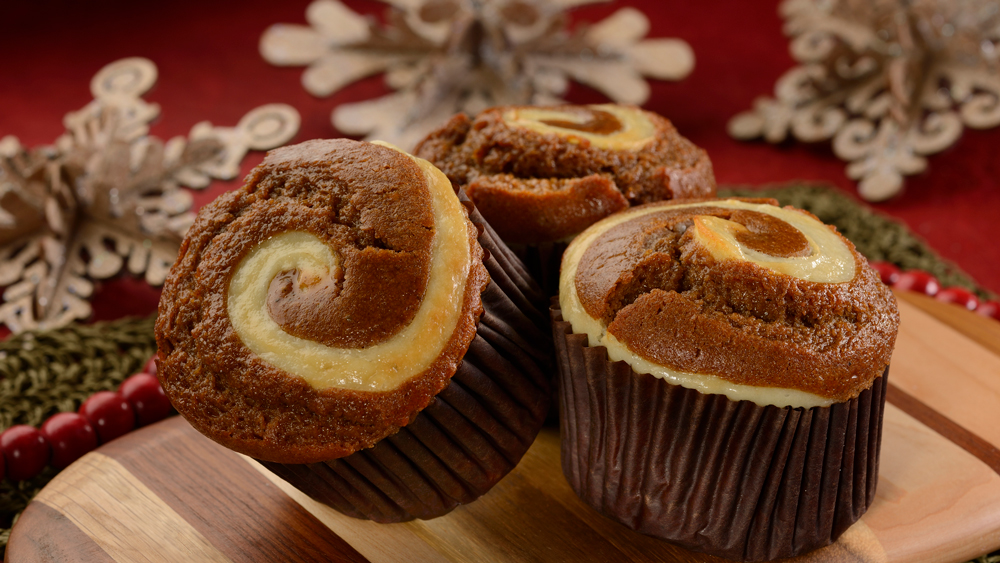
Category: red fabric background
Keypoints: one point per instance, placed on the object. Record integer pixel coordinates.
(210, 69)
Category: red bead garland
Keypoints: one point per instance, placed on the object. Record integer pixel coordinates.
(25, 450)
(147, 398)
(923, 282)
(70, 436)
(109, 413)
(989, 309)
(150, 366)
(65, 437)
(958, 296)
(919, 281)
(887, 271)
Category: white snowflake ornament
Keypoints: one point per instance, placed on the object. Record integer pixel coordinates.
(107, 196)
(448, 56)
(889, 81)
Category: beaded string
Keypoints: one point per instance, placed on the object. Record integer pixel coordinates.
(64, 437)
(923, 282)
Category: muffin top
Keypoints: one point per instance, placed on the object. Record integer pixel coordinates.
(737, 297)
(543, 174)
(320, 307)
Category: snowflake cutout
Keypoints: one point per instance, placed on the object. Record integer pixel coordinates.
(889, 81)
(448, 56)
(106, 196)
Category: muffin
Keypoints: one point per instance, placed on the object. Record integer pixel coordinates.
(346, 320)
(722, 373)
(540, 175)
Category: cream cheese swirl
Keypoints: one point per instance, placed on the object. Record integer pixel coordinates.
(826, 260)
(380, 367)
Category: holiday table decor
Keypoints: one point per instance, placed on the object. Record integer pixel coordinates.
(448, 56)
(888, 81)
(107, 196)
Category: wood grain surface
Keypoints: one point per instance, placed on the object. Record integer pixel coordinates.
(165, 493)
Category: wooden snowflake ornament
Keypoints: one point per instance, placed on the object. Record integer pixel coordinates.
(889, 81)
(107, 196)
(447, 56)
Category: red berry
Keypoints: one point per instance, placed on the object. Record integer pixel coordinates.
(147, 398)
(150, 366)
(887, 271)
(109, 413)
(918, 280)
(70, 436)
(959, 296)
(989, 309)
(25, 450)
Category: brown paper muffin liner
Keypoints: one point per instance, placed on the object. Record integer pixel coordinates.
(543, 262)
(473, 432)
(727, 478)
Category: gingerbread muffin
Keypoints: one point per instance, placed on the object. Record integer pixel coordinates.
(335, 314)
(722, 369)
(540, 175)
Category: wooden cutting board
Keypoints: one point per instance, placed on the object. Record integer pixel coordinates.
(165, 493)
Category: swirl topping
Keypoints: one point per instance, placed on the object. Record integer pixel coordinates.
(277, 287)
(735, 297)
(606, 126)
(781, 240)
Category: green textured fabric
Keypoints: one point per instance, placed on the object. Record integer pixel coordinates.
(52, 371)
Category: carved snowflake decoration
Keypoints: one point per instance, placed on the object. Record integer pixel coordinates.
(447, 56)
(889, 81)
(107, 196)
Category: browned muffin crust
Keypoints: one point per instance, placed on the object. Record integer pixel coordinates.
(545, 209)
(369, 202)
(523, 180)
(670, 301)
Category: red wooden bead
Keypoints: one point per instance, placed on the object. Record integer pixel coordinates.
(109, 413)
(958, 296)
(918, 280)
(147, 398)
(150, 366)
(70, 436)
(25, 451)
(887, 271)
(989, 309)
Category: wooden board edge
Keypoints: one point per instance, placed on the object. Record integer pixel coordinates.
(982, 330)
